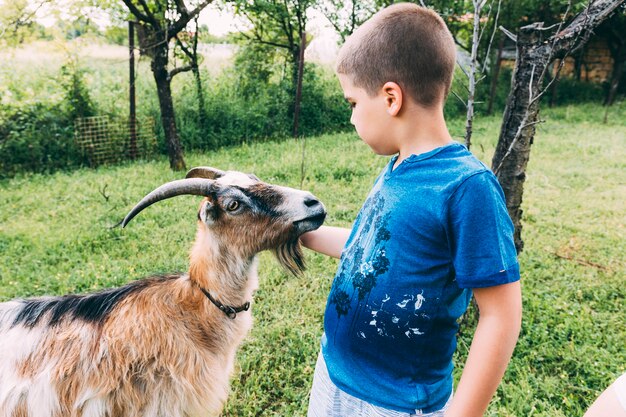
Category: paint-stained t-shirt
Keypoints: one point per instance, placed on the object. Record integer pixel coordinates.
(429, 231)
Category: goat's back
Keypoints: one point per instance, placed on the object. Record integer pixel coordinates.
(151, 348)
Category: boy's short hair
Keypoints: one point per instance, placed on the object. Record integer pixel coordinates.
(406, 44)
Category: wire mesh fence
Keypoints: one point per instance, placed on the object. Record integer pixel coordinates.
(104, 140)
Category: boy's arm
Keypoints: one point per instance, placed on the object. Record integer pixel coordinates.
(498, 328)
(327, 240)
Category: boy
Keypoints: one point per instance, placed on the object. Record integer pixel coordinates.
(433, 229)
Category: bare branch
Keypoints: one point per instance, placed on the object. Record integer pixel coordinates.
(182, 46)
(257, 38)
(136, 12)
(508, 34)
(103, 192)
(472, 72)
(493, 34)
(462, 69)
(181, 7)
(460, 99)
(180, 24)
(178, 70)
(149, 13)
(582, 262)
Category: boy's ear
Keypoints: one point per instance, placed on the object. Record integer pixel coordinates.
(393, 97)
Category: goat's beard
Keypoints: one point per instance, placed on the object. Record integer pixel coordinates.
(290, 256)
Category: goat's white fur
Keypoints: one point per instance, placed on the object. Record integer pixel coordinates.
(163, 350)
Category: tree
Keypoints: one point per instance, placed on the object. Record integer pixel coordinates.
(280, 24)
(187, 48)
(159, 23)
(17, 21)
(535, 52)
(346, 16)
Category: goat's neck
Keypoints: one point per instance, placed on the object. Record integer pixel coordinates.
(228, 275)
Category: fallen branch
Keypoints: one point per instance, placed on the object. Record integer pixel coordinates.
(581, 261)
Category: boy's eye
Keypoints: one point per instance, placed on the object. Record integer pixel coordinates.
(352, 105)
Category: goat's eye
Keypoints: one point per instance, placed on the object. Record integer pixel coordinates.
(233, 205)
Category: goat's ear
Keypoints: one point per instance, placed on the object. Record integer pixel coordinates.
(205, 172)
(207, 212)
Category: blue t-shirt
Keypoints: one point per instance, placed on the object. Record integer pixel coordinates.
(429, 231)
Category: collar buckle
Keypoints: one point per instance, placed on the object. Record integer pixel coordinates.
(230, 311)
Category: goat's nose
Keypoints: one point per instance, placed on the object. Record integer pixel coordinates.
(311, 201)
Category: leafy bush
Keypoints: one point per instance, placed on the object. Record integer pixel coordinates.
(77, 101)
(239, 110)
(36, 137)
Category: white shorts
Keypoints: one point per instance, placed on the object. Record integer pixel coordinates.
(327, 400)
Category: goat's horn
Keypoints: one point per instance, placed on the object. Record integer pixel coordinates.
(189, 186)
(205, 172)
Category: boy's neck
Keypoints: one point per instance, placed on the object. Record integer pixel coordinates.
(419, 130)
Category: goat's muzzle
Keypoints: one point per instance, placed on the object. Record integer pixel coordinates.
(310, 223)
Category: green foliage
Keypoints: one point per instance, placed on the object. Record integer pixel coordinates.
(35, 137)
(204, 36)
(17, 23)
(571, 91)
(239, 110)
(571, 345)
(117, 35)
(37, 129)
(254, 65)
(568, 91)
(77, 102)
(277, 23)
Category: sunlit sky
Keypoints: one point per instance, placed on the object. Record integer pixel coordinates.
(220, 22)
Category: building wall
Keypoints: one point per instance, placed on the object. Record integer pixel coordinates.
(597, 64)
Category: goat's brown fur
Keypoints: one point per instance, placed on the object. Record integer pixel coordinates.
(156, 347)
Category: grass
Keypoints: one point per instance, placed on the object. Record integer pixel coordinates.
(55, 238)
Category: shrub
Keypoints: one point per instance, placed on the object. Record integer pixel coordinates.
(239, 110)
(36, 137)
(77, 102)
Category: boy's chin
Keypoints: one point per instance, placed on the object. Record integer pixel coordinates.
(383, 151)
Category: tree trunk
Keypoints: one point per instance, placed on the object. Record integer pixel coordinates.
(166, 104)
(522, 109)
(298, 97)
(518, 125)
(196, 73)
(201, 103)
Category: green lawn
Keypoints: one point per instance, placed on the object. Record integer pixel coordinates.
(55, 238)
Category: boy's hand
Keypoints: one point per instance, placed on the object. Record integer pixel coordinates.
(498, 328)
(327, 240)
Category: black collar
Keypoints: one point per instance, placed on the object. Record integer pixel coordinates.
(230, 311)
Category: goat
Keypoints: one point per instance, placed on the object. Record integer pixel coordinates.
(163, 346)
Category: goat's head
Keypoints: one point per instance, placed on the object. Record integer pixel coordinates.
(244, 215)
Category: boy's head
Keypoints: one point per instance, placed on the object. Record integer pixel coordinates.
(405, 44)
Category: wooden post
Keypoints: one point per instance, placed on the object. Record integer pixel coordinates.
(296, 110)
(132, 120)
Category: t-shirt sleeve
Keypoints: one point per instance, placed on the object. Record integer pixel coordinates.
(480, 232)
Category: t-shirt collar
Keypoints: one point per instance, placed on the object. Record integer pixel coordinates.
(419, 157)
